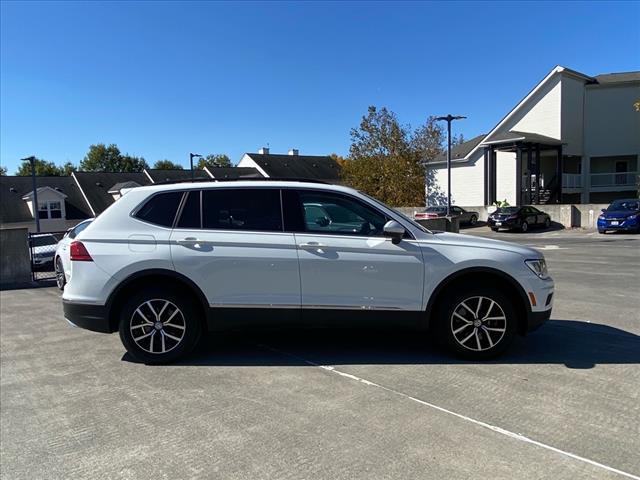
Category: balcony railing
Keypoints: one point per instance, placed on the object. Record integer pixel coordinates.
(572, 180)
(622, 179)
(600, 180)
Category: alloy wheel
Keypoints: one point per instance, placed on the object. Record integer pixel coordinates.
(157, 326)
(524, 226)
(478, 323)
(60, 278)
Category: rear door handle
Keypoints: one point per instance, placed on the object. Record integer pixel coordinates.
(196, 242)
(312, 245)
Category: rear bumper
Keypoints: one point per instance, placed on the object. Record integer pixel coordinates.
(503, 224)
(90, 317)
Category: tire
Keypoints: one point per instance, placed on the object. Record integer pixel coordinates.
(174, 325)
(462, 338)
(602, 232)
(494, 229)
(61, 279)
(524, 227)
(473, 220)
(547, 222)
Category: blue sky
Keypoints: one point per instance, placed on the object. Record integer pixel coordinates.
(163, 79)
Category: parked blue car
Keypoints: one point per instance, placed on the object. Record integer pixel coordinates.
(620, 215)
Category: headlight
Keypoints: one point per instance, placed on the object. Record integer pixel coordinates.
(601, 217)
(631, 217)
(539, 267)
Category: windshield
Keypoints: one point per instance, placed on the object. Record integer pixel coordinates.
(43, 241)
(624, 205)
(404, 217)
(508, 210)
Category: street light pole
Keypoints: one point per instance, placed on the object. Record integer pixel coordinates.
(191, 157)
(36, 207)
(449, 118)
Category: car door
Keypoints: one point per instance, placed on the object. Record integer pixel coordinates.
(536, 216)
(349, 264)
(528, 216)
(231, 243)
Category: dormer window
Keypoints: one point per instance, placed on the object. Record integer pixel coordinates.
(47, 210)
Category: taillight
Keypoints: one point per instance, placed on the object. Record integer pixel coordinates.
(79, 253)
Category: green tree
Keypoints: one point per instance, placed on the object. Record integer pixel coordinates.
(167, 165)
(3, 171)
(215, 160)
(103, 158)
(386, 159)
(42, 167)
(68, 168)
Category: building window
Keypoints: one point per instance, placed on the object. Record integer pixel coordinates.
(48, 210)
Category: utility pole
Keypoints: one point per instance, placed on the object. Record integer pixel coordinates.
(36, 207)
(449, 118)
(191, 157)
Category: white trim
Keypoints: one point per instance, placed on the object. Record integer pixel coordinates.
(73, 174)
(29, 195)
(206, 169)
(251, 163)
(147, 174)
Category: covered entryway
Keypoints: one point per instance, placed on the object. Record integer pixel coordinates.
(538, 167)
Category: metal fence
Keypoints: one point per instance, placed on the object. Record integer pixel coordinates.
(42, 250)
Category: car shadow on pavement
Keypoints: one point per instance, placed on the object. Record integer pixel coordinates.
(554, 227)
(575, 344)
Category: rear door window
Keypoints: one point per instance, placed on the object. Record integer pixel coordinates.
(191, 216)
(252, 209)
(160, 209)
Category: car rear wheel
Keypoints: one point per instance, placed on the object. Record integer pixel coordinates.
(524, 227)
(547, 222)
(477, 323)
(61, 280)
(158, 325)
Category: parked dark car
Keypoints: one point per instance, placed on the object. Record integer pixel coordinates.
(465, 216)
(518, 218)
(620, 215)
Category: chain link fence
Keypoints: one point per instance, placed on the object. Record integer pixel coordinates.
(42, 250)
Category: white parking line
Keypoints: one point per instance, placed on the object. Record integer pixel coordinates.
(494, 428)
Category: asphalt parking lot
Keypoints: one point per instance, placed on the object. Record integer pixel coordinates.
(563, 403)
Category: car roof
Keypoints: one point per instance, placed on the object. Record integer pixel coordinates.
(244, 184)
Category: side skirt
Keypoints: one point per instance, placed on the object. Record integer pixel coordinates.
(221, 318)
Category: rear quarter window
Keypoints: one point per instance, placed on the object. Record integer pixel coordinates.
(160, 209)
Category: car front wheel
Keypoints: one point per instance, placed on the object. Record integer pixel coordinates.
(473, 220)
(158, 325)
(478, 323)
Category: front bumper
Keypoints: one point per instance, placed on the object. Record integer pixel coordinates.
(90, 317)
(627, 224)
(536, 319)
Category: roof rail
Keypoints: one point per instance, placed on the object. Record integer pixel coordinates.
(240, 179)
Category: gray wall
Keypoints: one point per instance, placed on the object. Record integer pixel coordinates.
(15, 266)
(578, 215)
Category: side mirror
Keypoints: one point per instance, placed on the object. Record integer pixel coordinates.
(394, 230)
(603, 210)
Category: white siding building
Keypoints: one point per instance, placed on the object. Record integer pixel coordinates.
(572, 139)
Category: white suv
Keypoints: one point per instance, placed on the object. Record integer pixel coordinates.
(167, 262)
